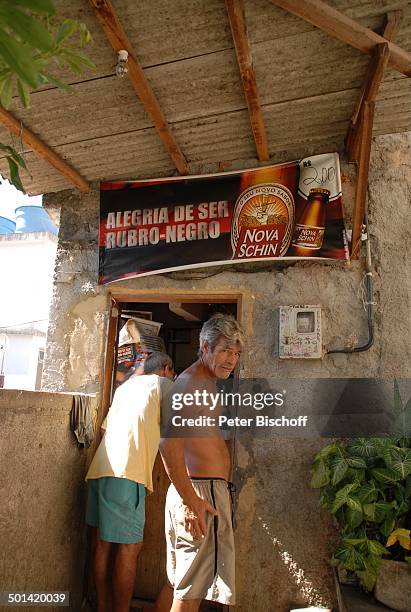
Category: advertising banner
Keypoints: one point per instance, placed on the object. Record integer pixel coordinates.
(286, 211)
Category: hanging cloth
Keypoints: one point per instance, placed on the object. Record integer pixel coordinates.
(81, 420)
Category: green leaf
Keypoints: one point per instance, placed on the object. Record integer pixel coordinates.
(81, 58)
(367, 493)
(385, 475)
(18, 159)
(85, 35)
(50, 79)
(6, 94)
(399, 460)
(29, 29)
(365, 447)
(340, 470)
(376, 548)
(355, 475)
(351, 558)
(408, 560)
(382, 509)
(369, 511)
(354, 541)
(23, 92)
(14, 175)
(354, 503)
(403, 507)
(407, 487)
(66, 29)
(368, 578)
(356, 462)
(354, 518)
(5, 72)
(330, 449)
(341, 497)
(41, 6)
(388, 525)
(326, 498)
(77, 60)
(18, 57)
(12, 153)
(401, 464)
(320, 475)
(376, 512)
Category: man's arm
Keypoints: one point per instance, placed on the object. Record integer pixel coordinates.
(195, 508)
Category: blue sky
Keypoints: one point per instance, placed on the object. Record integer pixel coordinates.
(10, 198)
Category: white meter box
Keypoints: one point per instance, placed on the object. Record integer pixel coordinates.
(300, 334)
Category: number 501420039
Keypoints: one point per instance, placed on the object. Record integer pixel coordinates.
(34, 598)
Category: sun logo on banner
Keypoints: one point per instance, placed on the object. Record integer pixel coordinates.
(263, 222)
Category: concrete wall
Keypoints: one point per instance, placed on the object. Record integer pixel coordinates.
(283, 537)
(42, 531)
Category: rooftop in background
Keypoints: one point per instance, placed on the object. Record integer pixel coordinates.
(29, 220)
(11, 198)
(308, 85)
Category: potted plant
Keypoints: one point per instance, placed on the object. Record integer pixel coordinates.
(366, 484)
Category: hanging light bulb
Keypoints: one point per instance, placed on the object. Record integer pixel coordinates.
(121, 67)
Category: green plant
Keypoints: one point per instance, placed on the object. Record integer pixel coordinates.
(33, 41)
(366, 484)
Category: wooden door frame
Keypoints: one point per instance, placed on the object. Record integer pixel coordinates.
(155, 296)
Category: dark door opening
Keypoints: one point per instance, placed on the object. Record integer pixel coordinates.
(181, 324)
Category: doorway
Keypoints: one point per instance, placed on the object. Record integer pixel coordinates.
(181, 318)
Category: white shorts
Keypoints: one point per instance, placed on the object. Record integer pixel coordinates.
(202, 568)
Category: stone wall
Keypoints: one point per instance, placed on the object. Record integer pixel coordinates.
(42, 529)
(282, 535)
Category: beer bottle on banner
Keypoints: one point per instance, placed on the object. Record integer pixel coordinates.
(310, 228)
(283, 174)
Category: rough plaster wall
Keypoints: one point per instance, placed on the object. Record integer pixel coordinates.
(42, 491)
(76, 313)
(283, 536)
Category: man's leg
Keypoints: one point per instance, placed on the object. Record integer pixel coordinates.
(189, 605)
(101, 572)
(124, 575)
(165, 599)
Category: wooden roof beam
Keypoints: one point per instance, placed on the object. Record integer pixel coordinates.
(372, 82)
(235, 11)
(42, 150)
(117, 37)
(344, 28)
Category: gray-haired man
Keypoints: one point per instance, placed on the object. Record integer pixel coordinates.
(199, 534)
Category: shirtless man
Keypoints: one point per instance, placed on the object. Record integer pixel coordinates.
(199, 533)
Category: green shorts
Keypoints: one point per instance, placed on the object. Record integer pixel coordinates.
(116, 506)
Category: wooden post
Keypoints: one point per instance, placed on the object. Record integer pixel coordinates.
(367, 117)
(370, 89)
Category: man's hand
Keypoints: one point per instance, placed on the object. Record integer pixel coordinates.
(195, 517)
